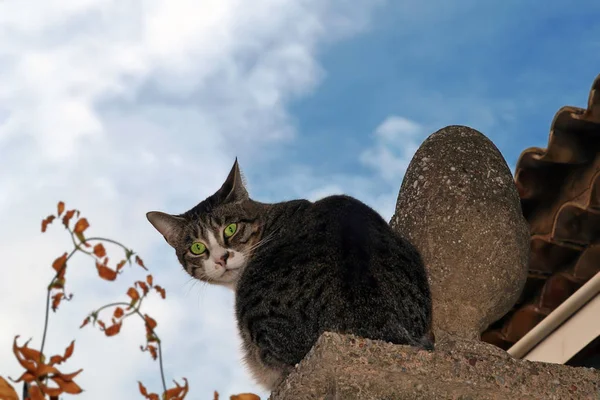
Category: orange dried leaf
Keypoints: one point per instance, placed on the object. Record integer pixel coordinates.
(60, 207)
(135, 296)
(150, 280)
(244, 396)
(59, 264)
(66, 386)
(7, 392)
(139, 262)
(102, 325)
(56, 300)
(144, 392)
(150, 322)
(178, 392)
(29, 365)
(47, 221)
(55, 360)
(121, 264)
(44, 369)
(143, 389)
(153, 352)
(81, 225)
(67, 217)
(99, 250)
(85, 322)
(69, 351)
(152, 349)
(113, 329)
(69, 377)
(142, 285)
(35, 393)
(60, 359)
(118, 312)
(25, 377)
(50, 391)
(160, 290)
(216, 395)
(27, 353)
(106, 273)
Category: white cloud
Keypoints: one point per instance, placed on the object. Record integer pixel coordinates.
(396, 140)
(123, 107)
(395, 128)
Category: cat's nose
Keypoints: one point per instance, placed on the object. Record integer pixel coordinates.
(222, 261)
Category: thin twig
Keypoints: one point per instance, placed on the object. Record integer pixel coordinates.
(47, 316)
(158, 342)
(101, 239)
(160, 361)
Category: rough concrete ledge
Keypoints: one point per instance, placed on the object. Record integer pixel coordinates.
(348, 367)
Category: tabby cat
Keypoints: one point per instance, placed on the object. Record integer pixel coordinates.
(299, 269)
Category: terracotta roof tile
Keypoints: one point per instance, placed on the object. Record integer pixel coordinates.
(560, 196)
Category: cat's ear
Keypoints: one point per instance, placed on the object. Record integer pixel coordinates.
(168, 225)
(233, 190)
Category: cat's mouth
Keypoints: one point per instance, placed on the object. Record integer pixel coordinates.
(228, 272)
(229, 277)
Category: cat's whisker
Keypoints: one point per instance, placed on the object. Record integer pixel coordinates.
(191, 280)
(201, 292)
(259, 244)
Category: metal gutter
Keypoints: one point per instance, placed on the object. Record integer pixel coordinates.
(556, 318)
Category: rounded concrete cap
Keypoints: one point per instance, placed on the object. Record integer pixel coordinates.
(459, 206)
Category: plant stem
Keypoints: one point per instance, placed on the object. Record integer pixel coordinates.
(47, 316)
(160, 361)
(116, 304)
(25, 390)
(78, 246)
(158, 342)
(101, 239)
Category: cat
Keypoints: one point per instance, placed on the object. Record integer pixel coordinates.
(300, 268)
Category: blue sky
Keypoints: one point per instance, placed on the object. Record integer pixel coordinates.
(119, 108)
(503, 68)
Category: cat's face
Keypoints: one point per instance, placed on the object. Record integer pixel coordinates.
(214, 240)
(215, 247)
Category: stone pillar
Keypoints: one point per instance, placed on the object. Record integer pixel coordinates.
(459, 206)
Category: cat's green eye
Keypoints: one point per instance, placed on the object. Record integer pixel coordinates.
(198, 248)
(230, 230)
